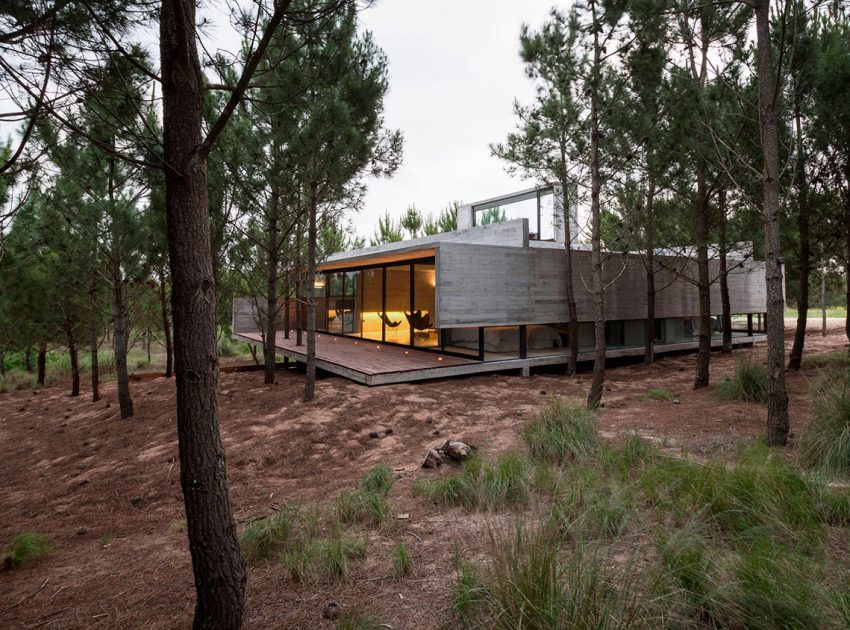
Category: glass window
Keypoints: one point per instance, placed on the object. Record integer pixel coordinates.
(462, 341)
(370, 304)
(336, 302)
(546, 339)
(396, 316)
(423, 313)
(319, 286)
(351, 312)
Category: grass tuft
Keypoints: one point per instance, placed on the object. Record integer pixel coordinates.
(368, 502)
(402, 562)
(266, 536)
(563, 432)
(482, 486)
(659, 393)
(25, 548)
(748, 385)
(323, 558)
(353, 620)
(825, 442)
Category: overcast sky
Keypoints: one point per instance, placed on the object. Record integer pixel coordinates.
(454, 72)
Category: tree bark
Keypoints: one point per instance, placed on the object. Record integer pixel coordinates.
(270, 338)
(75, 365)
(805, 255)
(310, 380)
(216, 559)
(701, 377)
(125, 401)
(299, 324)
(725, 303)
(41, 363)
(823, 303)
(777, 397)
(28, 359)
(166, 325)
(649, 332)
(594, 397)
(94, 325)
(572, 310)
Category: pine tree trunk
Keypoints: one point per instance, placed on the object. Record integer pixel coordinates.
(777, 397)
(42, 363)
(2, 362)
(805, 255)
(75, 365)
(287, 323)
(649, 332)
(166, 325)
(823, 303)
(299, 324)
(216, 559)
(594, 397)
(572, 310)
(701, 378)
(270, 338)
(125, 401)
(310, 380)
(28, 359)
(725, 302)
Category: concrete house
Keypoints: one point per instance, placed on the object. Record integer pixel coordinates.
(491, 296)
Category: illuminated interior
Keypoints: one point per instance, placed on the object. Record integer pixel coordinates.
(393, 303)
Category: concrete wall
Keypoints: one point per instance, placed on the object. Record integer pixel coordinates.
(484, 285)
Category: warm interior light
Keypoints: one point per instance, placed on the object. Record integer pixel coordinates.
(319, 283)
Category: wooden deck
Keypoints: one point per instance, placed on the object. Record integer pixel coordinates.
(373, 363)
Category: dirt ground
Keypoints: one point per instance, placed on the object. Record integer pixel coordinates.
(107, 491)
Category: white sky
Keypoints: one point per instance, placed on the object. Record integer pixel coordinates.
(454, 73)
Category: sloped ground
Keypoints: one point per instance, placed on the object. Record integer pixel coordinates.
(107, 491)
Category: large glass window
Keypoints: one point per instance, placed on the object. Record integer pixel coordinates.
(370, 304)
(351, 318)
(396, 320)
(319, 288)
(336, 302)
(423, 312)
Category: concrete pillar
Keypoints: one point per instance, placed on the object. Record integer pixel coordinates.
(464, 217)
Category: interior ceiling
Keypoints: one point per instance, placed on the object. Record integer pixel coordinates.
(378, 259)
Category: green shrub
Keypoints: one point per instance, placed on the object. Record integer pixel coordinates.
(323, 558)
(481, 486)
(659, 393)
(26, 547)
(595, 507)
(352, 620)
(835, 504)
(825, 442)
(17, 379)
(379, 479)
(270, 534)
(749, 383)
(564, 431)
(402, 563)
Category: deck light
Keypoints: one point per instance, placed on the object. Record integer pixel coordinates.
(378, 347)
(439, 358)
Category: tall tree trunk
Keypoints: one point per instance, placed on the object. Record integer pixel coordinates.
(310, 381)
(166, 324)
(287, 303)
(94, 325)
(823, 302)
(594, 397)
(725, 303)
(777, 397)
(299, 323)
(2, 362)
(649, 332)
(270, 338)
(28, 359)
(805, 255)
(701, 378)
(72, 351)
(572, 310)
(42, 363)
(216, 559)
(119, 340)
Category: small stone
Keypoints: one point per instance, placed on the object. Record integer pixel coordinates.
(374, 435)
(432, 459)
(83, 482)
(542, 392)
(331, 611)
(675, 401)
(436, 432)
(108, 405)
(429, 420)
(403, 517)
(136, 500)
(388, 431)
(82, 531)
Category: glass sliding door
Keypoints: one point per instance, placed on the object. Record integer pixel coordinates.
(351, 318)
(397, 307)
(370, 302)
(423, 312)
(336, 302)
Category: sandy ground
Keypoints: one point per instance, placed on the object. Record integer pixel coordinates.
(72, 469)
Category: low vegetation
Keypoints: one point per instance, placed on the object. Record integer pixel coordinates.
(622, 536)
(25, 548)
(564, 431)
(749, 384)
(825, 441)
(659, 393)
(402, 562)
(368, 502)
